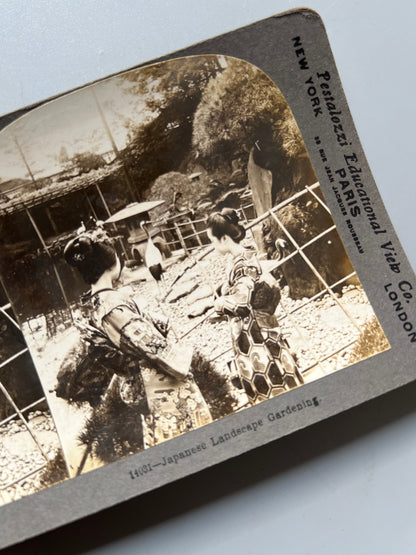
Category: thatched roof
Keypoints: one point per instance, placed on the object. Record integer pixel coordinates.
(24, 198)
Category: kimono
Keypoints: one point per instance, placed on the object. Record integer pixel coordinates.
(264, 362)
(174, 403)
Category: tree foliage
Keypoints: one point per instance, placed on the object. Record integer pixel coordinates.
(172, 91)
(240, 108)
(177, 82)
(63, 157)
(84, 162)
(371, 341)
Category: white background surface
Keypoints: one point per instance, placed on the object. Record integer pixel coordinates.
(345, 486)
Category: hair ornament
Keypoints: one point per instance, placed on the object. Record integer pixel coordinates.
(230, 215)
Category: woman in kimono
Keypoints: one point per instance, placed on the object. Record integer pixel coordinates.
(144, 364)
(262, 356)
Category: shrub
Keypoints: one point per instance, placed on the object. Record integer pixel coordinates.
(371, 341)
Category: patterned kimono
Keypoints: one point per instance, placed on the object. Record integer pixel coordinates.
(262, 356)
(175, 404)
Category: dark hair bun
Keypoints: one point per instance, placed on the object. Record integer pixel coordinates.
(226, 223)
(78, 250)
(90, 257)
(230, 215)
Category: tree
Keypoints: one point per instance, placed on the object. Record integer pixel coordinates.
(242, 111)
(84, 162)
(240, 108)
(173, 83)
(63, 157)
(172, 90)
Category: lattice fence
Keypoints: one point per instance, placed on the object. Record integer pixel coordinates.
(26, 427)
(313, 362)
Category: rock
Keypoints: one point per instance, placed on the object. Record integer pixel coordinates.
(200, 307)
(201, 292)
(38, 420)
(350, 294)
(182, 290)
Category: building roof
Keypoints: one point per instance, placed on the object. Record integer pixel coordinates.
(134, 209)
(23, 197)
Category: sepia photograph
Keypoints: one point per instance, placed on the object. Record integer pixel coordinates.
(167, 259)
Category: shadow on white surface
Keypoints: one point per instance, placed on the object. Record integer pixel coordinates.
(316, 491)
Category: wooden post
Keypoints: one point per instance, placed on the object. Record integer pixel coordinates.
(182, 242)
(8, 305)
(196, 233)
(109, 215)
(90, 205)
(103, 200)
(51, 220)
(55, 269)
(132, 192)
(22, 155)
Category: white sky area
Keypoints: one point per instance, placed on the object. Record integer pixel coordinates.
(72, 122)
